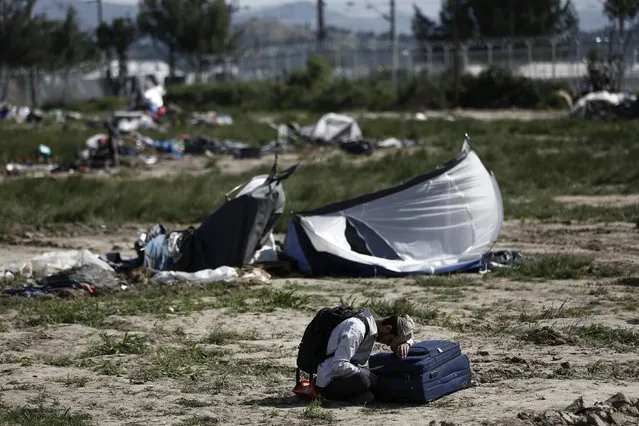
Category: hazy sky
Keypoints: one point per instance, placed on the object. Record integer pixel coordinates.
(430, 7)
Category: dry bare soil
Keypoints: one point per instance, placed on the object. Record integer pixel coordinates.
(537, 338)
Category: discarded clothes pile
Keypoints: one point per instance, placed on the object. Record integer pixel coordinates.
(344, 132)
(211, 118)
(59, 271)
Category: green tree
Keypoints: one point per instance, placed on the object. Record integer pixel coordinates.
(423, 27)
(69, 45)
(24, 40)
(205, 31)
(499, 18)
(163, 21)
(115, 39)
(622, 13)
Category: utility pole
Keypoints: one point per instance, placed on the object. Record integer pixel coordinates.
(100, 12)
(456, 50)
(393, 36)
(321, 31)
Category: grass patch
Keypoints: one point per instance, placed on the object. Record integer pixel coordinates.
(222, 336)
(3, 328)
(602, 369)
(315, 412)
(74, 381)
(400, 306)
(191, 363)
(596, 335)
(109, 368)
(95, 312)
(192, 403)
(601, 336)
(546, 336)
(109, 345)
(513, 150)
(161, 301)
(552, 312)
(42, 416)
(200, 421)
(557, 266)
(63, 361)
(451, 281)
(450, 295)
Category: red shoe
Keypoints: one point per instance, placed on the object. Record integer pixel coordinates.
(306, 389)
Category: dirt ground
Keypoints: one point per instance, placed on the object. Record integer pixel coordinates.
(510, 375)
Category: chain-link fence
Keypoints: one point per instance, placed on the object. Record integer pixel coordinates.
(535, 58)
(351, 58)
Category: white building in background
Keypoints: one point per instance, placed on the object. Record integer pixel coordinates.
(135, 68)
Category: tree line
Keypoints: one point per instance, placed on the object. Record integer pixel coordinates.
(196, 29)
(192, 29)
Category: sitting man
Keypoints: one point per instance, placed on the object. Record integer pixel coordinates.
(341, 376)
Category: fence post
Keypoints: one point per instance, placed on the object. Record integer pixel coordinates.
(489, 47)
(273, 65)
(553, 45)
(510, 56)
(304, 56)
(409, 62)
(355, 60)
(578, 58)
(446, 56)
(373, 56)
(529, 49)
(429, 58)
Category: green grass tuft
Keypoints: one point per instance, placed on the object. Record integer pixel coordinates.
(200, 421)
(221, 336)
(450, 281)
(601, 336)
(576, 165)
(315, 412)
(42, 416)
(557, 266)
(109, 345)
(401, 306)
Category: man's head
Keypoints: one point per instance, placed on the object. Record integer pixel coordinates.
(395, 329)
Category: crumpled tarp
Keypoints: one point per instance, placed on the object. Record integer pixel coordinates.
(87, 278)
(207, 276)
(55, 261)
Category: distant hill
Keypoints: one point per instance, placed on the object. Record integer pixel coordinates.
(304, 13)
(300, 13)
(87, 13)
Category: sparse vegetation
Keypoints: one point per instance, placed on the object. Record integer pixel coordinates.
(42, 416)
(384, 307)
(599, 335)
(221, 336)
(447, 281)
(557, 266)
(200, 421)
(513, 150)
(315, 412)
(110, 345)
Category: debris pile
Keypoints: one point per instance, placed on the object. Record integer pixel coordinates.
(618, 410)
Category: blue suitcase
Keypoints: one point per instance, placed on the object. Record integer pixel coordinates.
(431, 370)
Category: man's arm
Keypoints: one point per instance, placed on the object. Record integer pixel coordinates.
(349, 341)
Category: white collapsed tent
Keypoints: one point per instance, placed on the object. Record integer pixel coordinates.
(443, 221)
(332, 128)
(596, 100)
